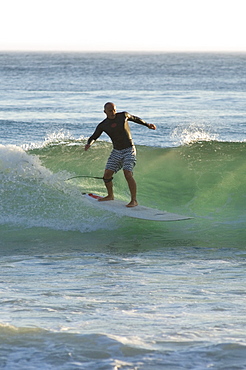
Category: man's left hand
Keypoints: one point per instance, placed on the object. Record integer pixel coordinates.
(152, 126)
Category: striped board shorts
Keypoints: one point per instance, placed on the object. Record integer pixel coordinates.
(125, 158)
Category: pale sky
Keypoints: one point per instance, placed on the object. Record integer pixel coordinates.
(125, 25)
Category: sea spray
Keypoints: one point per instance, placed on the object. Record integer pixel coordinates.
(33, 195)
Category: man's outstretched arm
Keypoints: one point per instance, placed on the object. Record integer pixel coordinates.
(93, 138)
(141, 121)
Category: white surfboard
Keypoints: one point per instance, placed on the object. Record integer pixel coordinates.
(142, 212)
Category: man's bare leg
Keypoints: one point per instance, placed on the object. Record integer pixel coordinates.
(132, 187)
(108, 174)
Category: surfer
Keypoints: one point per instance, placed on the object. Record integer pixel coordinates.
(123, 155)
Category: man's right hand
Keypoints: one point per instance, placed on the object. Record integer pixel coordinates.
(87, 146)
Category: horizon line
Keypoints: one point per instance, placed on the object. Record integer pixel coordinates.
(120, 51)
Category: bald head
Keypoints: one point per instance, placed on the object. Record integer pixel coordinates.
(110, 110)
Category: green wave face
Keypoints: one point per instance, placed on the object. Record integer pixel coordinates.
(205, 180)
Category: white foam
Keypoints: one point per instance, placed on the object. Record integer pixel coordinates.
(54, 138)
(34, 196)
(14, 161)
(185, 135)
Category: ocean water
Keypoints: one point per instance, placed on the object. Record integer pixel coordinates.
(85, 289)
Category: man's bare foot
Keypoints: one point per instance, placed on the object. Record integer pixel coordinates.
(133, 203)
(108, 197)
